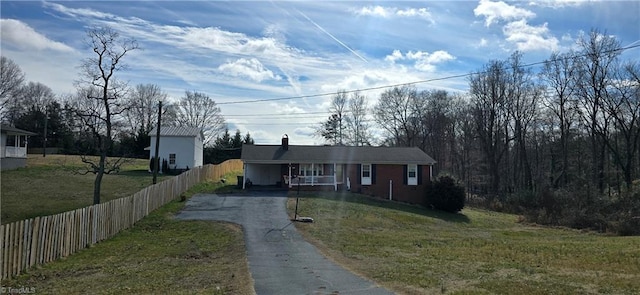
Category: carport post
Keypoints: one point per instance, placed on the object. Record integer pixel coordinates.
(289, 175)
(335, 180)
(244, 174)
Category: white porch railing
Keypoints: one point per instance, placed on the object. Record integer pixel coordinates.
(315, 180)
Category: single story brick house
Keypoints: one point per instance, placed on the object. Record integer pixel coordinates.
(395, 173)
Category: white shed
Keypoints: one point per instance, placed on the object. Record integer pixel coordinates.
(182, 147)
(13, 147)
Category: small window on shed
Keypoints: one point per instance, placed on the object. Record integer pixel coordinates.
(172, 159)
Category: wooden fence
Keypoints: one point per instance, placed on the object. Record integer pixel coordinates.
(39, 240)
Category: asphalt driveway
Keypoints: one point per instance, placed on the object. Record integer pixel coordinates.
(280, 260)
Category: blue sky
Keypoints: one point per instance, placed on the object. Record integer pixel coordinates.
(245, 51)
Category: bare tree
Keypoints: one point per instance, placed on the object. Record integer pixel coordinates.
(558, 73)
(11, 79)
(356, 127)
(105, 94)
(198, 110)
(464, 146)
(488, 90)
(396, 113)
(599, 53)
(32, 97)
(36, 94)
(142, 114)
(435, 129)
(623, 107)
(523, 96)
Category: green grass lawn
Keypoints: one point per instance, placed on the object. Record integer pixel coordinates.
(407, 249)
(52, 184)
(412, 250)
(159, 255)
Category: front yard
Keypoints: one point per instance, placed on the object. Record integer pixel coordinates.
(417, 251)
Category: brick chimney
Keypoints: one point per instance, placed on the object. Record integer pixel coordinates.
(285, 142)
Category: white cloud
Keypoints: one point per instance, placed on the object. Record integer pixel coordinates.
(188, 37)
(276, 32)
(529, 38)
(396, 55)
(424, 61)
(304, 131)
(287, 108)
(411, 12)
(388, 12)
(559, 3)
(483, 42)
(21, 35)
(194, 55)
(74, 12)
(365, 78)
(500, 11)
(250, 68)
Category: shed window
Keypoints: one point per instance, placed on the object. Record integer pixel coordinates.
(366, 174)
(172, 159)
(412, 174)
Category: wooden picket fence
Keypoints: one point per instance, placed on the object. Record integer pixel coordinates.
(39, 240)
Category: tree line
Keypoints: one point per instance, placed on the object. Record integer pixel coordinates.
(105, 116)
(560, 145)
(558, 142)
(68, 117)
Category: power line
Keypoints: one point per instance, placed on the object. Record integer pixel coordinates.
(414, 82)
(280, 115)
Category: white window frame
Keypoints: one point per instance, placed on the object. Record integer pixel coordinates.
(365, 180)
(172, 159)
(311, 169)
(412, 169)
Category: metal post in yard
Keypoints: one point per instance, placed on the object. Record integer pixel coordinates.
(295, 216)
(44, 140)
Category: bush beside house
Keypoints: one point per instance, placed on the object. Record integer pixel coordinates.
(444, 194)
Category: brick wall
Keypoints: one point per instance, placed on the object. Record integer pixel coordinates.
(379, 188)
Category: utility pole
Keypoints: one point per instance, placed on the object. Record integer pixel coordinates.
(156, 160)
(44, 140)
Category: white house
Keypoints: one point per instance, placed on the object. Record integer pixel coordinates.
(13, 147)
(182, 147)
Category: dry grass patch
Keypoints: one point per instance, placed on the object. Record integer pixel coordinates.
(417, 251)
(51, 185)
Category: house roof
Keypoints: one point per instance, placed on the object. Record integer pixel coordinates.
(177, 131)
(274, 154)
(15, 131)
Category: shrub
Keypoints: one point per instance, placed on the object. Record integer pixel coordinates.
(165, 166)
(444, 194)
(152, 164)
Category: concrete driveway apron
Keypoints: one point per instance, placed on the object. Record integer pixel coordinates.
(280, 260)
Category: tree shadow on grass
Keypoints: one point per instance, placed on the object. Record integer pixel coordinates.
(381, 203)
(136, 173)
